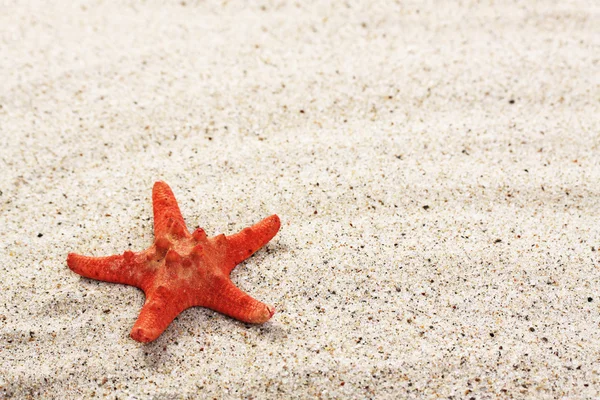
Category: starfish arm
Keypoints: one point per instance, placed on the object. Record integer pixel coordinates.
(167, 216)
(117, 269)
(160, 309)
(246, 242)
(228, 299)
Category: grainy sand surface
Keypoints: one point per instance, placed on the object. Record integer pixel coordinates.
(436, 166)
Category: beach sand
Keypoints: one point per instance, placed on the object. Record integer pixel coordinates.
(435, 166)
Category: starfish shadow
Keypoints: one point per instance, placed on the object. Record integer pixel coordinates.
(156, 353)
(276, 248)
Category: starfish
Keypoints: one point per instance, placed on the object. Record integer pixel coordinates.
(181, 270)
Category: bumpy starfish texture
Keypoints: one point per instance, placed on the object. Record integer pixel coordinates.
(182, 270)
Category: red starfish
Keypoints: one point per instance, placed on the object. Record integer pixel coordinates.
(181, 270)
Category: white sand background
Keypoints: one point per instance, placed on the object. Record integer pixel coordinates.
(436, 166)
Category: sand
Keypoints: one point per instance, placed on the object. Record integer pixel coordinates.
(435, 166)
